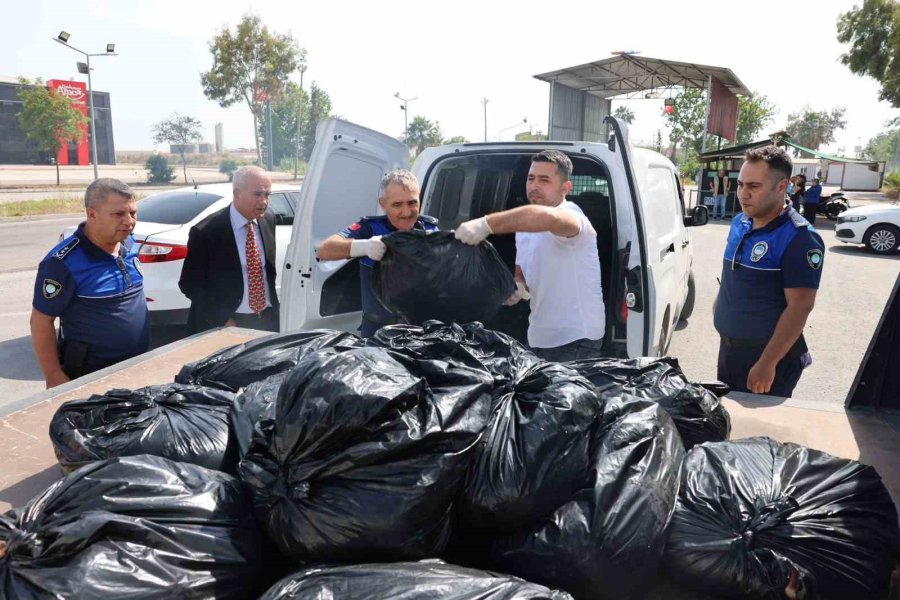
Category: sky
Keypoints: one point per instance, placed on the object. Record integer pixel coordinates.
(449, 56)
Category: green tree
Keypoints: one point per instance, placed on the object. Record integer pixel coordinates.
(289, 115)
(657, 141)
(250, 65)
(319, 109)
(181, 131)
(873, 32)
(422, 133)
(227, 167)
(158, 169)
(457, 139)
(755, 112)
(813, 129)
(624, 113)
(687, 121)
(885, 146)
(48, 118)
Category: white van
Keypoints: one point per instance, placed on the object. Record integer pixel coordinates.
(633, 197)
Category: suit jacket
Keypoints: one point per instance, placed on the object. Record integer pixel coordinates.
(212, 276)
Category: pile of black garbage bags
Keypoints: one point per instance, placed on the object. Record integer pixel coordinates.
(437, 461)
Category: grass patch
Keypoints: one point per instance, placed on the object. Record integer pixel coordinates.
(45, 206)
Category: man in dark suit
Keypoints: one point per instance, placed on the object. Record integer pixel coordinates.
(228, 274)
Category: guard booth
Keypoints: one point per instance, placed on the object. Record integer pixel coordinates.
(580, 96)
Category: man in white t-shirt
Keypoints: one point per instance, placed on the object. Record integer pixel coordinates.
(556, 262)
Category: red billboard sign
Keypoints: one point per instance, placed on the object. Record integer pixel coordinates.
(723, 111)
(78, 94)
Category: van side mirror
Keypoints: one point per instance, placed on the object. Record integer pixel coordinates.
(699, 216)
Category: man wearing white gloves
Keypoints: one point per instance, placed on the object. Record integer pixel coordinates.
(556, 262)
(400, 202)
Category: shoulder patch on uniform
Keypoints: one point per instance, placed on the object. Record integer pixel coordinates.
(355, 227)
(138, 265)
(758, 251)
(428, 219)
(62, 252)
(51, 288)
(815, 258)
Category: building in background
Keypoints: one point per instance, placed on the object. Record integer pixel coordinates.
(15, 147)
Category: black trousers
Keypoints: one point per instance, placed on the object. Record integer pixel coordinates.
(809, 212)
(267, 320)
(735, 364)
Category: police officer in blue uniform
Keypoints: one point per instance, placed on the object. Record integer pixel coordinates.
(771, 272)
(92, 282)
(400, 202)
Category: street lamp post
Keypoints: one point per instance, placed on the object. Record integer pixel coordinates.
(523, 122)
(63, 38)
(405, 109)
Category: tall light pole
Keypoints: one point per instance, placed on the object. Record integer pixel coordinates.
(523, 122)
(405, 109)
(484, 101)
(63, 38)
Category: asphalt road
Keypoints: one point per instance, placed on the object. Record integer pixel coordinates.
(855, 287)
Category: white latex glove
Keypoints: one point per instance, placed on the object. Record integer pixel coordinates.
(520, 294)
(373, 247)
(473, 232)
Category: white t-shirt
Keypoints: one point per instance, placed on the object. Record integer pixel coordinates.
(563, 276)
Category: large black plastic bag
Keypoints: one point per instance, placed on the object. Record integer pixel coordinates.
(536, 453)
(753, 511)
(698, 413)
(366, 455)
(425, 580)
(253, 413)
(470, 344)
(606, 541)
(138, 527)
(238, 366)
(186, 423)
(433, 275)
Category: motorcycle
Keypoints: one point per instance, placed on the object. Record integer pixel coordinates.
(834, 205)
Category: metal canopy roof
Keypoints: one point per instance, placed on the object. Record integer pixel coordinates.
(630, 74)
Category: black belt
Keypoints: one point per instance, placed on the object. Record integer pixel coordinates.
(799, 348)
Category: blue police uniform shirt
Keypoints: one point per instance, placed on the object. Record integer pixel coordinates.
(369, 227)
(99, 298)
(758, 266)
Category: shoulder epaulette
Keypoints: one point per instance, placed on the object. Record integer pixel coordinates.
(428, 219)
(798, 220)
(65, 249)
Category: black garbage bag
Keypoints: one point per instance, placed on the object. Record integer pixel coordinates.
(755, 514)
(607, 540)
(470, 344)
(253, 412)
(425, 580)
(366, 455)
(698, 413)
(136, 527)
(185, 423)
(536, 453)
(432, 275)
(233, 368)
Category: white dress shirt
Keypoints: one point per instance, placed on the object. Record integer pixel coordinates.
(239, 225)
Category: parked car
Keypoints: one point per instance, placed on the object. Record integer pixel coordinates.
(633, 197)
(164, 221)
(876, 225)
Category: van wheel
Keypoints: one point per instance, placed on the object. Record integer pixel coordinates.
(883, 239)
(688, 308)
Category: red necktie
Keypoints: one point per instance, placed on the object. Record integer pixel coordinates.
(257, 292)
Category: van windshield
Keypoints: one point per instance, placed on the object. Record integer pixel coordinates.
(176, 207)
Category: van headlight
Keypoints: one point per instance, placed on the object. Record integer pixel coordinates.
(851, 219)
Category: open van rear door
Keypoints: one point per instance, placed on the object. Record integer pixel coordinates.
(341, 185)
(640, 292)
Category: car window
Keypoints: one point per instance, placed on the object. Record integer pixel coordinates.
(278, 202)
(175, 208)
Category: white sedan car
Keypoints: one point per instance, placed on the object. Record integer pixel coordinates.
(164, 221)
(876, 225)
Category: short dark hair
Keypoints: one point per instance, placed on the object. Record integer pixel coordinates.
(563, 163)
(100, 189)
(777, 159)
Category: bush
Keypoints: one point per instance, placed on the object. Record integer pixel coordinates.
(288, 164)
(158, 169)
(228, 167)
(891, 187)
